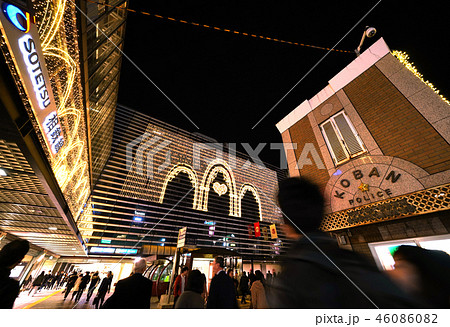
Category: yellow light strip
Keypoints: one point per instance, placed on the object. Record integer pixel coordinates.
(249, 187)
(181, 168)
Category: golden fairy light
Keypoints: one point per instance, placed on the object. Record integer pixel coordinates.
(56, 25)
(403, 58)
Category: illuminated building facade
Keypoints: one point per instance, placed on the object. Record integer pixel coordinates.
(59, 80)
(381, 155)
(160, 179)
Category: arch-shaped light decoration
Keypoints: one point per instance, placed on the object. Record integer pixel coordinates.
(214, 167)
(173, 173)
(249, 187)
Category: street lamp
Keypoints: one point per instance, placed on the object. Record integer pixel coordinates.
(368, 32)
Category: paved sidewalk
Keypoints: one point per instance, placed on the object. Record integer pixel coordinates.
(54, 299)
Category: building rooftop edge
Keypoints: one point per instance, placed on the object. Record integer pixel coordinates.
(355, 68)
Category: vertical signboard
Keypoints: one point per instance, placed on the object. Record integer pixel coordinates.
(273, 231)
(22, 38)
(181, 237)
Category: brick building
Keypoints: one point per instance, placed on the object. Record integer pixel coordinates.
(376, 140)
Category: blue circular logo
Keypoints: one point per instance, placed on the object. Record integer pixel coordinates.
(20, 19)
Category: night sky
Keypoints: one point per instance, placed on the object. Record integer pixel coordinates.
(225, 83)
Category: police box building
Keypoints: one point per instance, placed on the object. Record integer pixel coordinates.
(378, 143)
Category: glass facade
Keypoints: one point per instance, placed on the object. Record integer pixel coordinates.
(105, 35)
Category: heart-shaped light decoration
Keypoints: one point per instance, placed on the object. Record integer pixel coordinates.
(220, 189)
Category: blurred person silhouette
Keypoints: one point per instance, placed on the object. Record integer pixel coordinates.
(243, 287)
(76, 287)
(180, 284)
(37, 283)
(94, 281)
(251, 277)
(47, 280)
(84, 282)
(192, 297)
(325, 278)
(133, 292)
(10, 256)
(221, 291)
(258, 292)
(268, 277)
(71, 280)
(105, 287)
(27, 283)
(423, 273)
(235, 281)
(58, 279)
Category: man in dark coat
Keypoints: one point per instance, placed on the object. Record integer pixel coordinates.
(70, 283)
(330, 277)
(133, 292)
(84, 282)
(10, 256)
(243, 287)
(104, 288)
(94, 281)
(251, 277)
(222, 294)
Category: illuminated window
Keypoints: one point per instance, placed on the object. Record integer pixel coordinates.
(342, 140)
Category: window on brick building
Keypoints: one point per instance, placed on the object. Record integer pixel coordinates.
(341, 138)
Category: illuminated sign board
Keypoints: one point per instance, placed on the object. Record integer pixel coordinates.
(138, 216)
(126, 251)
(181, 237)
(97, 249)
(22, 39)
(103, 250)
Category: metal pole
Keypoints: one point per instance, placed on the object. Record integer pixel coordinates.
(174, 270)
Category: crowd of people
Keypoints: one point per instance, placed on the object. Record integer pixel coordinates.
(316, 273)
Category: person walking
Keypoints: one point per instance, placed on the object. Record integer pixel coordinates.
(84, 282)
(133, 292)
(94, 281)
(325, 278)
(47, 280)
(37, 283)
(105, 287)
(251, 277)
(221, 291)
(76, 287)
(243, 287)
(230, 274)
(70, 283)
(192, 297)
(258, 292)
(180, 283)
(423, 273)
(269, 277)
(10, 256)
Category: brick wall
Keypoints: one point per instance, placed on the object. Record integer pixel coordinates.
(301, 133)
(398, 128)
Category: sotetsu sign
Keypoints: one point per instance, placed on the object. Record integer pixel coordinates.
(356, 185)
(22, 38)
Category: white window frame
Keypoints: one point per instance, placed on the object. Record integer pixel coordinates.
(341, 139)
